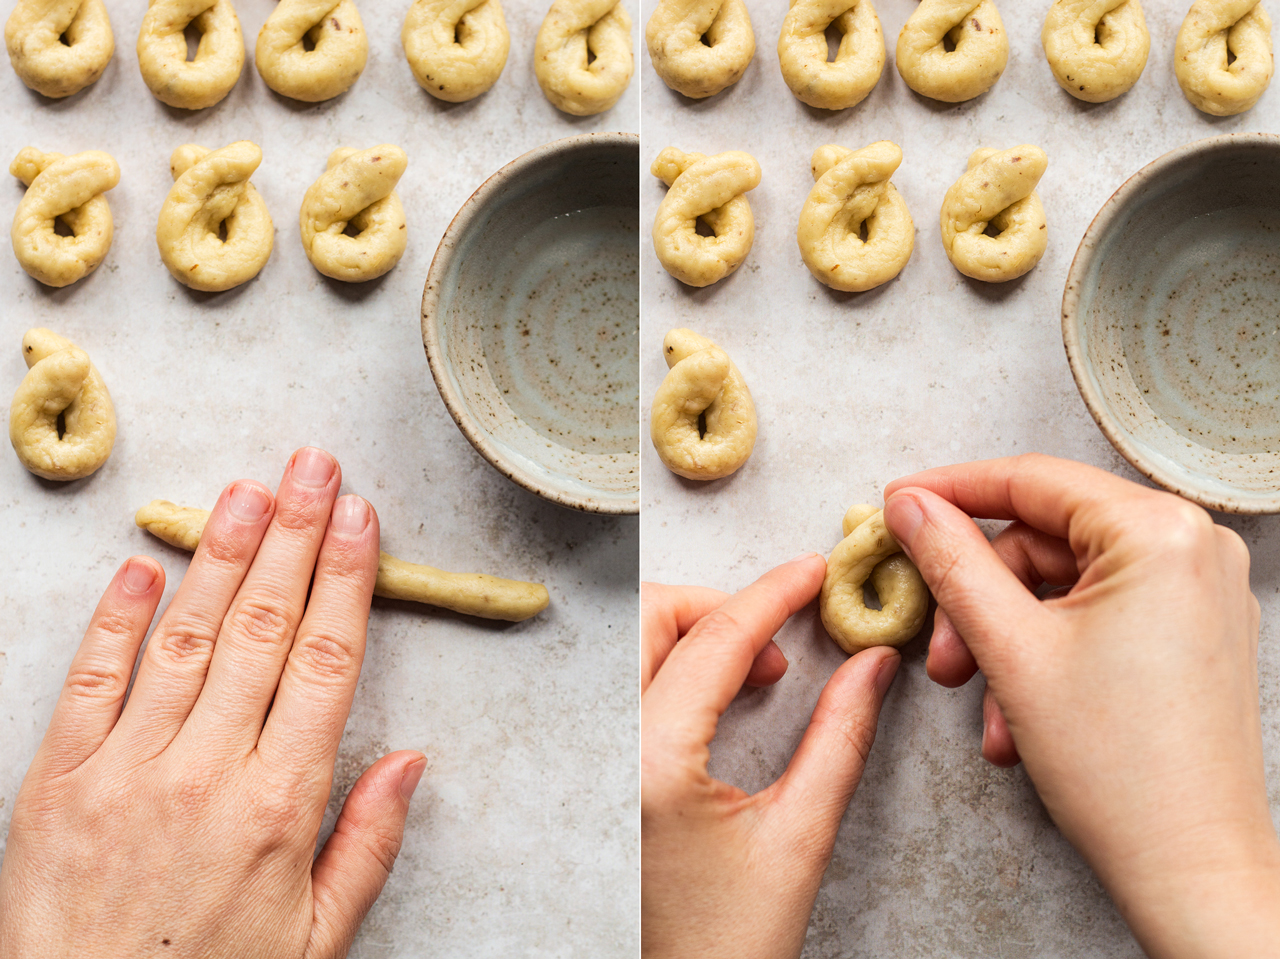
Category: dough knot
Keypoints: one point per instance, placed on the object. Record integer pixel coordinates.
(802, 52)
(700, 47)
(59, 47)
(572, 33)
(356, 196)
(978, 55)
(456, 48)
(996, 195)
(338, 49)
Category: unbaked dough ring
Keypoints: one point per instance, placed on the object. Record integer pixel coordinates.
(1096, 49)
(162, 52)
(802, 52)
(357, 188)
(1212, 30)
(997, 191)
(572, 32)
(34, 36)
(456, 48)
(339, 49)
(700, 47)
(981, 51)
(70, 189)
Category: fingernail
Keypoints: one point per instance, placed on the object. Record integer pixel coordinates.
(884, 675)
(248, 503)
(350, 515)
(139, 576)
(805, 556)
(903, 516)
(413, 773)
(313, 467)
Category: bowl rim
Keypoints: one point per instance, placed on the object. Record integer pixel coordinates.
(1073, 341)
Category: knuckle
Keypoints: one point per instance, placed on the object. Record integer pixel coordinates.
(183, 640)
(115, 624)
(260, 623)
(302, 514)
(274, 817)
(327, 655)
(93, 681)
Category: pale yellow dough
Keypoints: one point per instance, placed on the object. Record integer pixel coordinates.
(34, 35)
(162, 52)
(357, 189)
(70, 189)
(1096, 49)
(1212, 30)
(572, 33)
(998, 191)
(802, 52)
(456, 48)
(972, 68)
(700, 47)
(339, 49)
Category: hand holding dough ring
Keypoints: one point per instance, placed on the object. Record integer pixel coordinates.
(802, 51)
(336, 58)
(869, 552)
(456, 48)
(1096, 49)
(710, 189)
(356, 189)
(572, 32)
(211, 193)
(998, 192)
(699, 47)
(162, 52)
(66, 188)
(853, 190)
(35, 33)
(703, 384)
(1213, 30)
(981, 51)
(60, 382)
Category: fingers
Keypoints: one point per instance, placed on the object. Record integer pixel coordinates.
(997, 741)
(666, 614)
(769, 666)
(949, 663)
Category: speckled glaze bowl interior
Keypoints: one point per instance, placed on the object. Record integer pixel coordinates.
(530, 319)
(1171, 320)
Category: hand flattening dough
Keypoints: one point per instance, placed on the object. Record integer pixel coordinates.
(998, 191)
(1212, 33)
(802, 52)
(981, 49)
(1096, 49)
(699, 47)
(59, 47)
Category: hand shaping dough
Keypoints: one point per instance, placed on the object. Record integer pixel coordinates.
(211, 192)
(339, 49)
(699, 47)
(356, 189)
(66, 188)
(573, 32)
(456, 48)
(981, 51)
(869, 552)
(703, 384)
(1096, 48)
(997, 192)
(1212, 30)
(710, 189)
(35, 35)
(162, 52)
(802, 51)
(853, 190)
(473, 594)
(60, 382)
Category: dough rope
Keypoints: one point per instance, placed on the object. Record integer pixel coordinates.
(702, 384)
(339, 49)
(710, 189)
(66, 188)
(34, 35)
(357, 188)
(211, 192)
(997, 191)
(802, 52)
(972, 68)
(1212, 30)
(699, 47)
(60, 382)
(570, 79)
(869, 552)
(456, 48)
(472, 594)
(162, 52)
(1096, 49)
(853, 190)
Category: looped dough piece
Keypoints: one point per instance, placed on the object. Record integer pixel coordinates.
(162, 52)
(802, 51)
(60, 382)
(339, 49)
(869, 552)
(1096, 49)
(710, 189)
(699, 47)
(973, 28)
(1212, 30)
(211, 193)
(66, 188)
(35, 33)
(997, 192)
(456, 48)
(853, 189)
(357, 190)
(572, 32)
(702, 384)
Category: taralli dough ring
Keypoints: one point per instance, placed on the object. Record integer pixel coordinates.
(1096, 49)
(211, 193)
(802, 51)
(1212, 33)
(66, 188)
(35, 33)
(60, 383)
(472, 594)
(356, 189)
(703, 423)
(710, 189)
(338, 50)
(997, 193)
(162, 52)
(573, 32)
(981, 49)
(699, 47)
(853, 193)
(869, 552)
(456, 48)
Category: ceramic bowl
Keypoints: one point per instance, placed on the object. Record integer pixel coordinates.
(530, 319)
(1171, 320)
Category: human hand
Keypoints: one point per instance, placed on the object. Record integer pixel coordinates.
(183, 821)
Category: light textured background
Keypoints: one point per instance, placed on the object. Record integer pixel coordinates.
(940, 855)
(522, 836)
